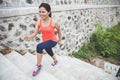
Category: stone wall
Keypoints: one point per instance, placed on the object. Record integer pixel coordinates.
(31, 3)
(77, 23)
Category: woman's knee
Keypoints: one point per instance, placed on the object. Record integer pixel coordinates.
(39, 49)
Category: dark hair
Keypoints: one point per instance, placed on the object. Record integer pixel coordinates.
(47, 7)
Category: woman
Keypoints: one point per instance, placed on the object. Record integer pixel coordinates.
(46, 25)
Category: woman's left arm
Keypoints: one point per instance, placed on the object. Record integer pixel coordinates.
(57, 26)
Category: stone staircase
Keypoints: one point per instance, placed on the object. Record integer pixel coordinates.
(14, 66)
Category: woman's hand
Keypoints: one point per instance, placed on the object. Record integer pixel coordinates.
(26, 38)
(59, 42)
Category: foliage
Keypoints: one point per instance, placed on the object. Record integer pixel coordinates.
(83, 53)
(104, 42)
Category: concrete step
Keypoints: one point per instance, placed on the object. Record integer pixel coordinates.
(9, 71)
(80, 68)
(61, 75)
(22, 63)
(67, 68)
(27, 67)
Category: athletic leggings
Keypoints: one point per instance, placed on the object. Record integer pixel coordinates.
(47, 45)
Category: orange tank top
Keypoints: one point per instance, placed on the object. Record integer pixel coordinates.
(48, 32)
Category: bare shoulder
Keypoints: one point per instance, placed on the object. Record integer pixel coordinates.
(55, 23)
(38, 22)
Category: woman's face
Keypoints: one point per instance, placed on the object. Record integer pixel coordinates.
(43, 13)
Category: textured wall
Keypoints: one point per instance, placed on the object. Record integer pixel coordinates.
(24, 3)
(76, 27)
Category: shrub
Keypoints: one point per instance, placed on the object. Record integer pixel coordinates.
(104, 42)
(83, 53)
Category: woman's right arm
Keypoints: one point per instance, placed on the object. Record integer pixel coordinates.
(28, 37)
